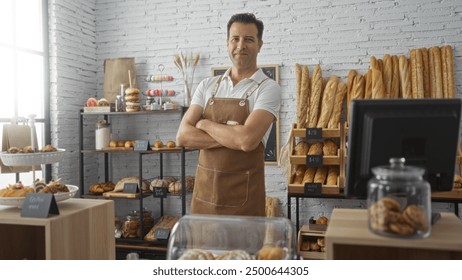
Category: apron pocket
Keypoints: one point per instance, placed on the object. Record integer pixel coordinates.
(221, 188)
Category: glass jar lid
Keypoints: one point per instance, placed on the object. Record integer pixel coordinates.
(102, 124)
(397, 169)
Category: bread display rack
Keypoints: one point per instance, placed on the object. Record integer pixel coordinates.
(156, 248)
(302, 162)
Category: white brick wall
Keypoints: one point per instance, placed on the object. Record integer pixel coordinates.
(340, 35)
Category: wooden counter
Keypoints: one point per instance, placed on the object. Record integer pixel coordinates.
(348, 237)
(84, 229)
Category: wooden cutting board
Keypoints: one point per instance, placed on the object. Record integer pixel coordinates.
(121, 194)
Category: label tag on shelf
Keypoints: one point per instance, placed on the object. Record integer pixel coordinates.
(314, 133)
(142, 145)
(159, 192)
(161, 233)
(314, 160)
(39, 205)
(313, 189)
(130, 188)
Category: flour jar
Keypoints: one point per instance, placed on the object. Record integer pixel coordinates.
(102, 134)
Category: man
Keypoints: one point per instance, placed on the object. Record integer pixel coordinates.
(229, 120)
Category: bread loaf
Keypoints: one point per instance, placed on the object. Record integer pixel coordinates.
(165, 222)
(350, 80)
(304, 98)
(329, 148)
(387, 74)
(425, 72)
(420, 75)
(316, 148)
(298, 77)
(334, 120)
(328, 99)
(431, 74)
(301, 148)
(332, 175)
(359, 86)
(315, 98)
(436, 54)
(405, 77)
(444, 71)
(394, 92)
(373, 62)
(378, 90)
(310, 172)
(368, 86)
(321, 175)
(299, 173)
(449, 58)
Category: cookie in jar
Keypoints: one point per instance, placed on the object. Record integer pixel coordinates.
(132, 226)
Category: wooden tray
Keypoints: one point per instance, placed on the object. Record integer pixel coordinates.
(121, 194)
(117, 149)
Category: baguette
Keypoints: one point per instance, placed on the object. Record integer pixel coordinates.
(378, 92)
(444, 71)
(380, 66)
(358, 87)
(431, 74)
(449, 58)
(329, 148)
(328, 99)
(301, 148)
(332, 175)
(436, 53)
(350, 80)
(419, 69)
(309, 175)
(315, 98)
(299, 173)
(368, 86)
(425, 72)
(405, 77)
(394, 92)
(334, 120)
(413, 67)
(387, 74)
(373, 62)
(298, 75)
(321, 175)
(304, 97)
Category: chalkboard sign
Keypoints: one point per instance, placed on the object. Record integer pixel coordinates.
(39, 205)
(272, 145)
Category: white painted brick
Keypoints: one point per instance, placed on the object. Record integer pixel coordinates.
(340, 35)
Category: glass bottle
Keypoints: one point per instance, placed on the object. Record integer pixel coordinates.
(398, 201)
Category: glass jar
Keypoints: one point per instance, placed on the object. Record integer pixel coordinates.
(399, 201)
(148, 221)
(102, 134)
(132, 225)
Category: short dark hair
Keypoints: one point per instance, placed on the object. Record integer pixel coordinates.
(247, 18)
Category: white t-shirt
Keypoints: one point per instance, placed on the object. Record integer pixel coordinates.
(267, 97)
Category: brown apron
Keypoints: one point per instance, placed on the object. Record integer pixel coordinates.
(229, 182)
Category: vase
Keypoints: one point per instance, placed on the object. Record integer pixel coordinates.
(187, 95)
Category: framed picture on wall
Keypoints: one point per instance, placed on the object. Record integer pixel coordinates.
(272, 145)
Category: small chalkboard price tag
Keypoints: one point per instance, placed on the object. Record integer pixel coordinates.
(142, 145)
(39, 205)
(314, 133)
(159, 192)
(130, 188)
(314, 160)
(313, 189)
(162, 233)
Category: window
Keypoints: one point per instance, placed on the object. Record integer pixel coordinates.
(24, 71)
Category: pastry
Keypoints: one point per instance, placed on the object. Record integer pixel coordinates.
(415, 217)
(314, 247)
(100, 188)
(27, 150)
(328, 99)
(322, 220)
(315, 98)
(103, 102)
(49, 148)
(112, 143)
(305, 245)
(196, 254)
(235, 255)
(171, 144)
(120, 144)
(158, 144)
(13, 150)
(175, 187)
(320, 242)
(271, 253)
(54, 186)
